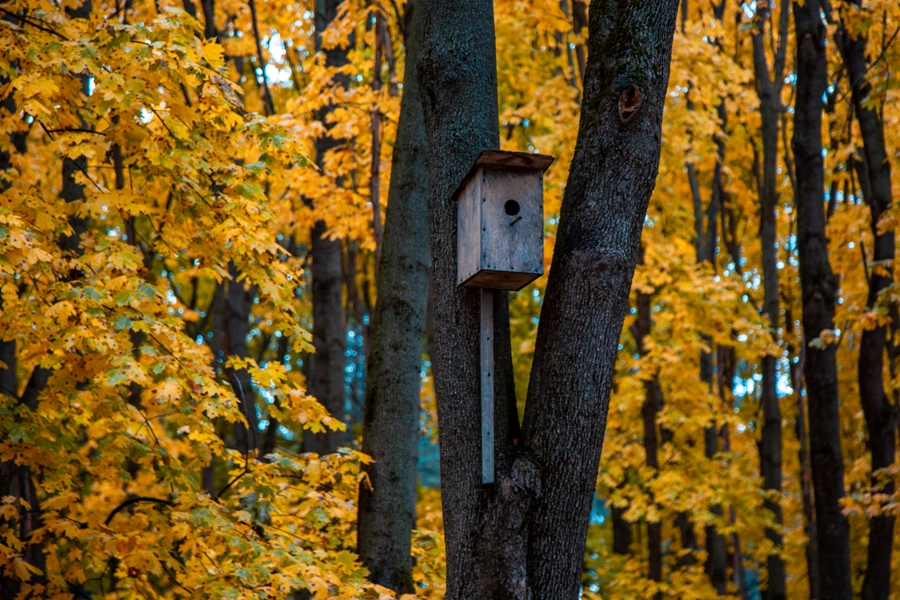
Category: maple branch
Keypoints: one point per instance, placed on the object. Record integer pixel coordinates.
(146, 422)
(153, 110)
(74, 130)
(235, 480)
(267, 95)
(34, 23)
(862, 251)
(10, 393)
(135, 500)
(788, 159)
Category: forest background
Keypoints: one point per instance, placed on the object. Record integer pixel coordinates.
(193, 201)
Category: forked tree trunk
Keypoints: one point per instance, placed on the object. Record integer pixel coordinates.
(524, 535)
(387, 508)
(819, 289)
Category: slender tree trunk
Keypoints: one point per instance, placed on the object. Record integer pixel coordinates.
(768, 86)
(375, 165)
(579, 22)
(653, 401)
(387, 507)
(238, 302)
(806, 493)
(716, 549)
(726, 366)
(879, 411)
(327, 381)
(9, 383)
(705, 226)
(327, 364)
(819, 289)
(622, 534)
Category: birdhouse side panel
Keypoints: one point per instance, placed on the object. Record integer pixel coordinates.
(468, 230)
(512, 221)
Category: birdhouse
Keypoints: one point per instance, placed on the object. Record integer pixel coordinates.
(500, 221)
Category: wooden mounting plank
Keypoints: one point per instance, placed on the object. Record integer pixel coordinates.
(487, 386)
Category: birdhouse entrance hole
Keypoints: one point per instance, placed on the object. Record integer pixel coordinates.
(500, 221)
(492, 254)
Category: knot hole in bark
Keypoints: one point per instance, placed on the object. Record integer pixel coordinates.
(630, 102)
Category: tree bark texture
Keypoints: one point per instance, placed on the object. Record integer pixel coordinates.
(611, 179)
(326, 383)
(387, 507)
(768, 85)
(483, 525)
(879, 411)
(524, 535)
(819, 289)
(329, 339)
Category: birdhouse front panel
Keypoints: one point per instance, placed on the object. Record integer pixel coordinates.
(500, 221)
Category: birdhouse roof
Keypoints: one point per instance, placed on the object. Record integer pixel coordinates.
(508, 160)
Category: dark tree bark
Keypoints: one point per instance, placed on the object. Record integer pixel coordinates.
(329, 340)
(879, 411)
(622, 535)
(524, 535)
(652, 406)
(326, 383)
(483, 525)
(9, 383)
(809, 514)
(387, 508)
(705, 227)
(716, 549)
(726, 366)
(819, 289)
(768, 87)
(611, 179)
(238, 302)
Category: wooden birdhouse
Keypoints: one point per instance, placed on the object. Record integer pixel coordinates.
(500, 221)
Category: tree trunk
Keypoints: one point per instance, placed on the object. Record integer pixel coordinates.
(483, 526)
(524, 535)
(238, 302)
(716, 549)
(809, 515)
(9, 383)
(611, 179)
(878, 410)
(819, 289)
(768, 86)
(327, 381)
(327, 364)
(387, 508)
(653, 402)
